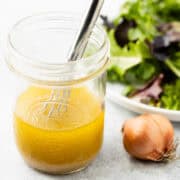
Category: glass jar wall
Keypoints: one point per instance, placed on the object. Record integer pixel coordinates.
(59, 112)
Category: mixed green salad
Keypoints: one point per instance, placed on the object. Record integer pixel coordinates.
(145, 51)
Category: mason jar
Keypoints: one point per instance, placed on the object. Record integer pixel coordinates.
(59, 108)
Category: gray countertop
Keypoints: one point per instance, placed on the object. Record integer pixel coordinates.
(112, 163)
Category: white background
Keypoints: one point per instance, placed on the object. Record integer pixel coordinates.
(113, 162)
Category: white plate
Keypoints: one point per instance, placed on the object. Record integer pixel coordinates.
(114, 93)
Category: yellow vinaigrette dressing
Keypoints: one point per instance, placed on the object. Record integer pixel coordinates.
(65, 141)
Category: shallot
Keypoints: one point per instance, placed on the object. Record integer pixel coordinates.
(149, 137)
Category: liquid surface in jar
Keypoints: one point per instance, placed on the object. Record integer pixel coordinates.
(64, 141)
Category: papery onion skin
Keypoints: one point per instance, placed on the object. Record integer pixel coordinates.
(148, 137)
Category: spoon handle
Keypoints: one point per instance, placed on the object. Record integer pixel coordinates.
(85, 30)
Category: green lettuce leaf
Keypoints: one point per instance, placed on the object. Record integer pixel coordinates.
(171, 96)
(174, 64)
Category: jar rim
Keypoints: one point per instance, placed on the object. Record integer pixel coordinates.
(16, 59)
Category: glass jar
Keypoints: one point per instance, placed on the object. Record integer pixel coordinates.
(59, 110)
